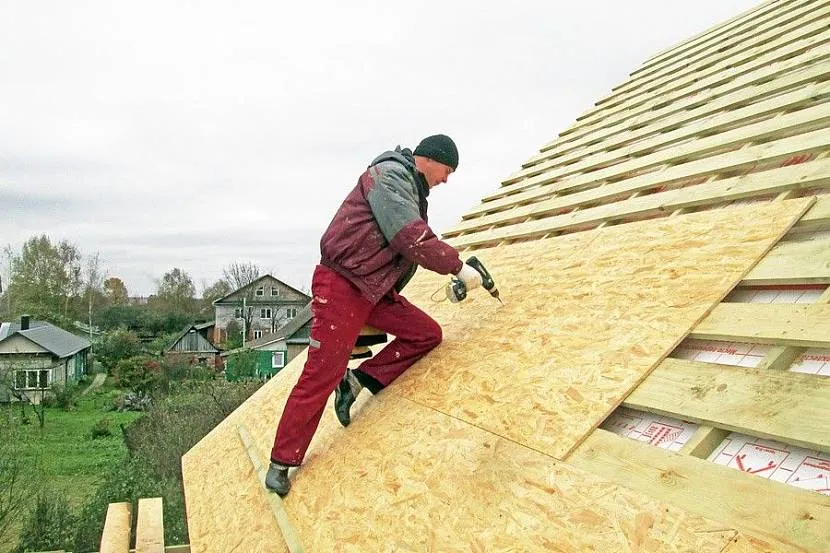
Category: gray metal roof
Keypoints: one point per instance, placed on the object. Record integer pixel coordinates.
(58, 341)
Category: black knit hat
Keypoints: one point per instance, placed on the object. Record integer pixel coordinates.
(439, 147)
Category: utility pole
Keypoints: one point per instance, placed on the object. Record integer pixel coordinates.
(243, 320)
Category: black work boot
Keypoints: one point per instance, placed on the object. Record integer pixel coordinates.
(344, 395)
(277, 479)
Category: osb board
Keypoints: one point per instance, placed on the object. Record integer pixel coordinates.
(413, 478)
(406, 478)
(586, 318)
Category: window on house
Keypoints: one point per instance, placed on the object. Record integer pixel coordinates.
(265, 313)
(237, 313)
(260, 291)
(257, 334)
(275, 291)
(278, 360)
(31, 379)
(290, 312)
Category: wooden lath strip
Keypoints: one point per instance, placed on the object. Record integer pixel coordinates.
(758, 24)
(798, 519)
(806, 119)
(792, 262)
(783, 22)
(808, 142)
(663, 203)
(149, 528)
(677, 115)
(660, 107)
(702, 39)
(116, 535)
(616, 202)
(647, 141)
(776, 324)
(817, 218)
(690, 87)
(769, 79)
(292, 541)
(739, 399)
(798, 40)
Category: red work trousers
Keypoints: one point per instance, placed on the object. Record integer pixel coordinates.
(339, 311)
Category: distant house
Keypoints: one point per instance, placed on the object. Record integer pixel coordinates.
(34, 355)
(263, 306)
(277, 349)
(193, 345)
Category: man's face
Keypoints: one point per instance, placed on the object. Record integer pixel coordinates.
(435, 172)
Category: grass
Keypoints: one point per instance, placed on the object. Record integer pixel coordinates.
(68, 459)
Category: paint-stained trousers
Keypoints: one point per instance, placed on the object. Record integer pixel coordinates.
(339, 311)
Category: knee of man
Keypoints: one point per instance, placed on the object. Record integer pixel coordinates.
(435, 335)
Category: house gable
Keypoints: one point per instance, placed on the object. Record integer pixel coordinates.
(20, 344)
(265, 289)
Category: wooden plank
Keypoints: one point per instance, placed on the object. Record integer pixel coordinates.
(535, 219)
(790, 178)
(116, 535)
(704, 441)
(778, 324)
(289, 535)
(663, 106)
(800, 40)
(788, 23)
(806, 119)
(713, 33)
(794, 262)
(149, 528)
(817, 218)
(815, 46)
(796, 519)
(566, 368)
(745, 158)
(779, 405)
(644, 140)
(776, 18)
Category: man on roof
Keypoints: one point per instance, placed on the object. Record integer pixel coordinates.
(372, 247)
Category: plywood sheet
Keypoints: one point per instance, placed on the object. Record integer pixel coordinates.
(458, 454)
(586, 317)
(406, 478)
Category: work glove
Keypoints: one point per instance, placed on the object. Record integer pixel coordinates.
(469, 276)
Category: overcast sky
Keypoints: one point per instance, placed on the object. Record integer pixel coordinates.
(196, 134)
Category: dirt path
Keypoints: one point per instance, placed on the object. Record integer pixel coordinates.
(96, 383)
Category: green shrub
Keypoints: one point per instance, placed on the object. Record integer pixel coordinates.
(242, 365)
(116, 346)
(66, 395)
(141, 374)
(50, 525)
(172, 426)
(101, 429)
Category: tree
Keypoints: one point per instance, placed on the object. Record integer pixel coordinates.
(93, 280)
(45, 278)
(115, 346)
(238, 274)
(141, 374)
(210, 294)
(115, 291)
(176, 292)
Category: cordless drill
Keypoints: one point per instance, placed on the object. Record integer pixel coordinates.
(457, 290)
